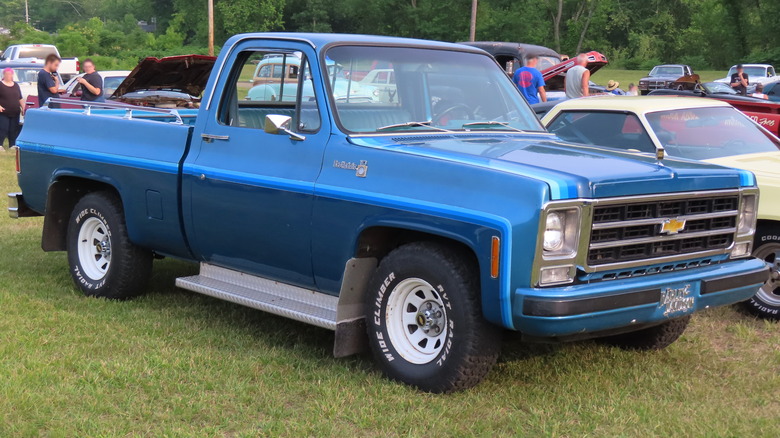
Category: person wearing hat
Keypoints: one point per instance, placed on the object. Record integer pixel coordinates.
(11, 107)
(614, 88)
(740, 81)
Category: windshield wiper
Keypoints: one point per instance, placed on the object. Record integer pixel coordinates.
(425, 124)
(492, 123)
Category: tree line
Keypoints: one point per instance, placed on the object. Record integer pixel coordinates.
(634, 34)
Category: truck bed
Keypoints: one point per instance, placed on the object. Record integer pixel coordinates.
(120, 152)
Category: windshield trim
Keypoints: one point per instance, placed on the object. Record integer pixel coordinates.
(459, 49)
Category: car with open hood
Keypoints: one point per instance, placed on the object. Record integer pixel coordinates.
(170, 82)
(691, 129)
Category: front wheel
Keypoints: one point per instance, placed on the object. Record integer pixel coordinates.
(103, 262)
(766, 302)
(425, 323)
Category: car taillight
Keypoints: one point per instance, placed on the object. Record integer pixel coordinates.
(18, 163)
(78, 66)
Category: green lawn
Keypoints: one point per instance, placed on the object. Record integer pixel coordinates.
(626, 77)
(174, 363)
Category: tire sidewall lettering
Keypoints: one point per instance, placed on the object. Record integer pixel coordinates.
(80, 277)
(379, 304)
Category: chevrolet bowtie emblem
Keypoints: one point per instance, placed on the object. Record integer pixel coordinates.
(672, 226)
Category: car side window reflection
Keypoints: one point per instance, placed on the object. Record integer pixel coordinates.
(266, 83)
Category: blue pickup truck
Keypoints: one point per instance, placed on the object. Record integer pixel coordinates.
(419, 228)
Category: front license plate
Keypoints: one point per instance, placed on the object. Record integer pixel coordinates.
(677, 300)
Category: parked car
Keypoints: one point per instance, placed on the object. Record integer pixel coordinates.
(422, 227)
(757, 74)
(170, 82)
(762, 111)
(269, 84)
(662, 76)
(73, 90)
(36, 54)
(772, 90)
(694, 129)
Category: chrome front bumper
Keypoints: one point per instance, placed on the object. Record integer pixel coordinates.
(18, 208)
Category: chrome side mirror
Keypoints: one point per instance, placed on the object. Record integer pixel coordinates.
(278, 124)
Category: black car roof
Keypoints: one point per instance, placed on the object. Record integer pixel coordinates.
(513, 49)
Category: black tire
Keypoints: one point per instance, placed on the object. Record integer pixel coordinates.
(468, 345)
(118, 273)
(766, 303)
(656, 337)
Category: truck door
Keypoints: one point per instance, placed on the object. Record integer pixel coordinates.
(247, 193)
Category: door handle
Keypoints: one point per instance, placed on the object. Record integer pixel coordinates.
(208, 138)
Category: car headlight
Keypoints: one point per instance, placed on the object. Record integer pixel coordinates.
(561, 232)
(747, 215)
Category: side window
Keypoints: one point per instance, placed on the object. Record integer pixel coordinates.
(257, 88)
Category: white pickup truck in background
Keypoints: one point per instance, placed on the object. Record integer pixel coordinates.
(36, 54)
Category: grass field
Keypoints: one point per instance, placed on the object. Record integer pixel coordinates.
(626, 77)
(174, 363)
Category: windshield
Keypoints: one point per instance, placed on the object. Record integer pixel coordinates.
(433, 90)
(547, 62)
(718, 88)
(752, 72)
(35, 52)
(26, 74)
(111, 83)
(704, 133)
(667, 71)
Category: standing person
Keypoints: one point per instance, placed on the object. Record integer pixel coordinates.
(91, 83)
(632, 90)
(740, 81)
(578, 78)
(49, 81)
(11, 107)
(530, 81)
(760, 92)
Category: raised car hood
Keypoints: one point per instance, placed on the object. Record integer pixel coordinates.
(570, 170)
(186, 73)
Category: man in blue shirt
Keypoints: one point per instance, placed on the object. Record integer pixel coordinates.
(530, 81)
(48, 80)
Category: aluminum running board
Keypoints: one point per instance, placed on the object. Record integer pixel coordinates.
(260, 293)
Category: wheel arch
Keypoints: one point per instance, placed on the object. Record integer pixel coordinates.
(372, 245)
(62, 196)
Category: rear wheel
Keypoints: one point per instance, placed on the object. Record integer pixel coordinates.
(652, 338)
(766, 302)
(424, 319)
(103, 262)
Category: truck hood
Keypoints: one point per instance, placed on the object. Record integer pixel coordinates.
(570, 170)
(186, 73)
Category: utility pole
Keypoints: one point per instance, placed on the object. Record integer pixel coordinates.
(211, 27)
(26, 12)
(473, 29)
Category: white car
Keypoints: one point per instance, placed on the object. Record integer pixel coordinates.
(111, 81)
(757, 74)
(36, 54)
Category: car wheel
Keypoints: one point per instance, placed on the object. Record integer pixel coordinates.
(425, 323)
(766, 302)
(103, 262)
(652, 338)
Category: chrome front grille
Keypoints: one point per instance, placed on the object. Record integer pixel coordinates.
(631, 231)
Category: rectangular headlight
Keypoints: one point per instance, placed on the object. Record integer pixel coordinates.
(748, 208)
(561, 232)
